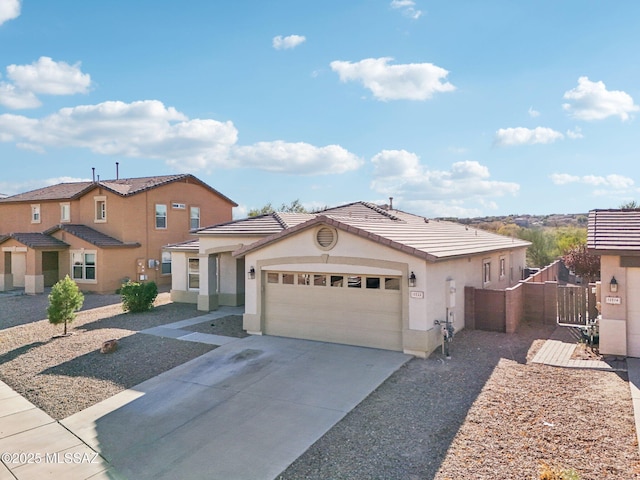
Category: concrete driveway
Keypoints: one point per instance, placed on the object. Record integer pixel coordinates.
(245, 410)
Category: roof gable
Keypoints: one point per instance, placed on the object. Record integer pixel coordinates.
(92, 236)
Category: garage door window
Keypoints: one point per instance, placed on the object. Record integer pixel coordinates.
(354, 282)
(373, 282)
(392, 283)
(272, 277)
(320, 280)
(337, 280)
(304, 279)
(287, 278)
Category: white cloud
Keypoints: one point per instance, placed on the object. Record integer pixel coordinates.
(612, 181)
(16, 99)
(288, 42)
(149, 129)
(9, 9)
(296, 158)
(592, 101)
(400, 174)
(407, 7)
(575, 134)
(506, 137)
(50, 77)
(44, 76)
(12, 188)
(411, 81)
(533, 113)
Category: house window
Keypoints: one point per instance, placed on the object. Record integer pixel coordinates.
(193, 272)
(161, 216)
(195, 218)
(65, 212)
(503, 267)
(35, 214)
(83, 266)
(165, 267)
(486, 271)
(101, 209)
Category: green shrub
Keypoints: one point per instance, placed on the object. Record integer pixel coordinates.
(138, 297)
(65, 300)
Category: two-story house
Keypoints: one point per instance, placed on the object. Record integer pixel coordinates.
(102, 233)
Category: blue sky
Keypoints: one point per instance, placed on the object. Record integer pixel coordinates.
(454, 108)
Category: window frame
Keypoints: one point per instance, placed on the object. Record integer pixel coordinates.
(486, 271)
(100, 209)
(193, 209)
(36, 213)
(193, 273)
(84, 266)
(164, 263)
(157, 217)
(65, 206)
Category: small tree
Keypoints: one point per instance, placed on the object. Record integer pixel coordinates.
(138, 297)
(583, 263)
(65, 300)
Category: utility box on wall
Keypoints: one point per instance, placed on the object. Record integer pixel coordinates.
(450, 293)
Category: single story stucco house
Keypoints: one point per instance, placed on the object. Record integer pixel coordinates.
(614, 235)
(357, 274)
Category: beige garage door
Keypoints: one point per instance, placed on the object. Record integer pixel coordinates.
(633, 312)
(353, 309)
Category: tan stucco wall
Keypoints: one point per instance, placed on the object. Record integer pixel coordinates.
(613, 325)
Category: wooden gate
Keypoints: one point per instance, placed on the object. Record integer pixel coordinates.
(576, 305)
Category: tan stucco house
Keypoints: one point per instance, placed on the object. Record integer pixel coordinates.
(357, 274)
(101, 233)
(614, 235)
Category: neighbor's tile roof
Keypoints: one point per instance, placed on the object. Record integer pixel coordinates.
(123, 187)
(614, 231)
(92, 236)
(260, 225)
(36, 240)
(410, 233)
(189, 245)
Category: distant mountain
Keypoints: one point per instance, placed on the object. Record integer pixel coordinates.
(529, 221)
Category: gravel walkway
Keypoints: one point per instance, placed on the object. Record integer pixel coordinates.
(63, 375)
(484, 414)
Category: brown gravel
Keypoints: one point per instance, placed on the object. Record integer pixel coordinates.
(484, 414)
(63, 375)
(230, 326)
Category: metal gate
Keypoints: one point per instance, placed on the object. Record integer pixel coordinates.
(576, 305)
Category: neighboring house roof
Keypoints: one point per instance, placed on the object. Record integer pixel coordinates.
(614, 231)
(124, 187)
(260, 225)
(413, 234)
(188, 246)
(92, 236)
(36, 240)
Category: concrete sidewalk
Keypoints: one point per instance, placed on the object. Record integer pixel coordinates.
(245, 410)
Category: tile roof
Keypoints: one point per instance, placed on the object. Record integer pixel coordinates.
(184, 246)
(36, 240)
(614, 231)
(123, 187)
(92, 236)
(433, 240)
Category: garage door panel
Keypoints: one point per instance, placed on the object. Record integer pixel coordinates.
(355, 316)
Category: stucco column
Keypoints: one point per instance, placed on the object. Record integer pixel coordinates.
(6, 277)
(208, 295)
(34, 279)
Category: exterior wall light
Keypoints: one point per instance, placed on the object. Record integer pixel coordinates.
(412, 280)
(251, 273)
(613, 285)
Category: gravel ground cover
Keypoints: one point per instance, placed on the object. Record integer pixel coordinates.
(484, 414)
(229, 326)
(63, 375)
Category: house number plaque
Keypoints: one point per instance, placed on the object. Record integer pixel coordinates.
(612, 300)
(417, 294)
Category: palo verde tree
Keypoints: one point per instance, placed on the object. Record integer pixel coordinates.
(65, 300)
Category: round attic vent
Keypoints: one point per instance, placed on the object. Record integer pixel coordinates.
(326, 237)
